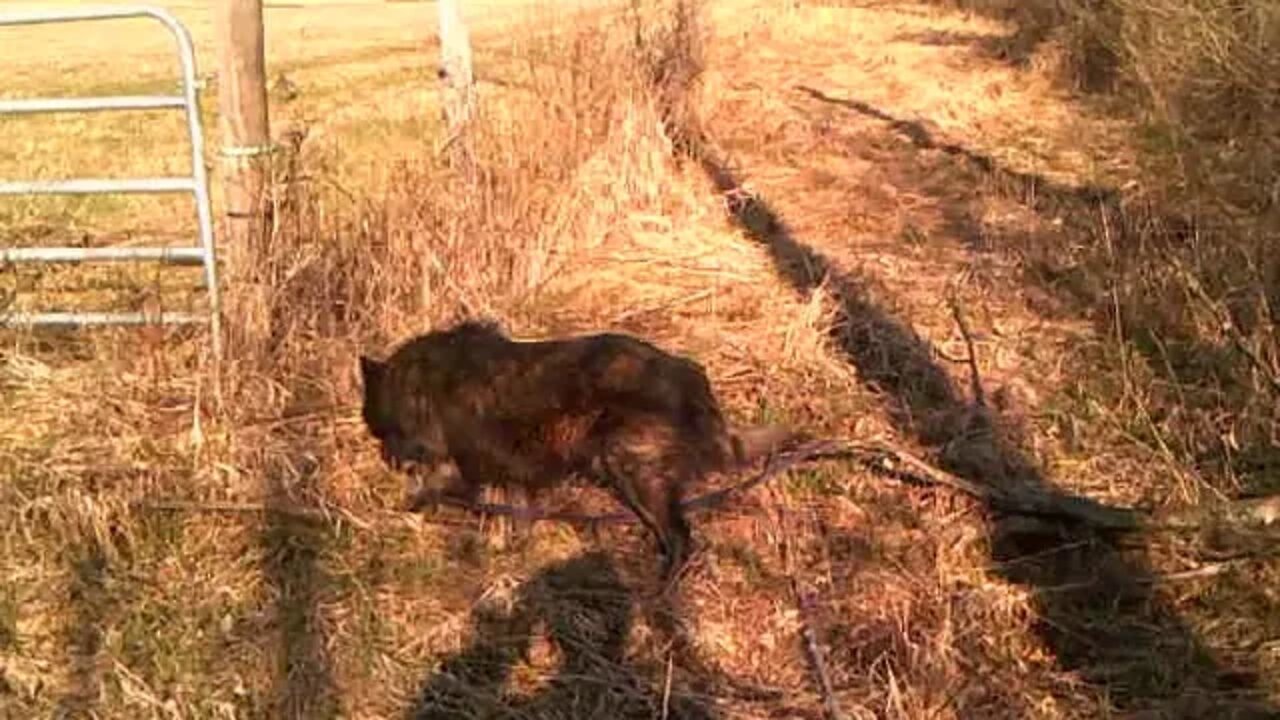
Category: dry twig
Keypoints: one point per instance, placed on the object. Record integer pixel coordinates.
(975, 378)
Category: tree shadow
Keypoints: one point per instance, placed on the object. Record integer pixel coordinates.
(89, 601)
(1096, 604)
(292, 547)
(944, 38)
(1094, 64)
(1033, 21)
(582, 608)
(1038, 189)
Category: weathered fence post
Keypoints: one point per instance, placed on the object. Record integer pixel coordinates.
(245, 157)
(457, 86)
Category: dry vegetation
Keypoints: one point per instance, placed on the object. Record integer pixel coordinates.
(803, 197)
(1183, 263)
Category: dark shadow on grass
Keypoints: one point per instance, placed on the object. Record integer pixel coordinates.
(1033, 22)
(1098, 611)
(944, 38)
(88, 601)
(1035, 188)
(1093, 63)
(303, 682)
(584, 610)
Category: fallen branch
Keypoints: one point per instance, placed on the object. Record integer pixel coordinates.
(879, 457)
(773, 467)
(1252, 513)
(975, 378)
(817, 662)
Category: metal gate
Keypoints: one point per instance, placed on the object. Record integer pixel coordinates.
(197, 183)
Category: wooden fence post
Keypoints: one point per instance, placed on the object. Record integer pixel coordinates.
(245, 157)
(457, 86)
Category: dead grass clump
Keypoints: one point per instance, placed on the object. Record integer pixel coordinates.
(1193, 359)
(428, 243)
(1212, 89)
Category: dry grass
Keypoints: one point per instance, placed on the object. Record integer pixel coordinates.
(820, 301)
(1182, 267)
(913, 169)
(580, 221)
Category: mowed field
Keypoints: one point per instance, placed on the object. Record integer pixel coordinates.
(844, 249)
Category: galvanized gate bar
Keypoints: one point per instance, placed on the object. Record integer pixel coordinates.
(175, 255)
(88, 186)
(91, 12)
(87, 104)
(80, 319)
(197, 183)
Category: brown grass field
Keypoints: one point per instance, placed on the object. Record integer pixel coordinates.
(805, 197)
